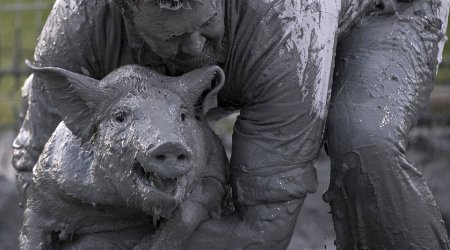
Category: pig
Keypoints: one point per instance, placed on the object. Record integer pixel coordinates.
(133, 164)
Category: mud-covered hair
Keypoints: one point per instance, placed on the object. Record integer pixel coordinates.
(163, 4)
(174, 4)
(125, 5)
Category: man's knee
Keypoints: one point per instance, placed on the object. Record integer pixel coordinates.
(354, 129)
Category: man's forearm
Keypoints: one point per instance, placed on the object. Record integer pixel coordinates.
(266, 226)
(39, 122)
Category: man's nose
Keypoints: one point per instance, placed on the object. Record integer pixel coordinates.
(193, 44)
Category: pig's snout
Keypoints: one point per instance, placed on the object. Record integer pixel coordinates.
(169, 159)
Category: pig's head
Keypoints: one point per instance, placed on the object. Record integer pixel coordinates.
(146, 130)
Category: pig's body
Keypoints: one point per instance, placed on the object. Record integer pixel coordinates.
(109, 189)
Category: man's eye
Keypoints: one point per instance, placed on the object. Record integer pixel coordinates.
(174, 36)
(169, 37)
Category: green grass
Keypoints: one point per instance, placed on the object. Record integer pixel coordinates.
(443, 76)
(18, 33)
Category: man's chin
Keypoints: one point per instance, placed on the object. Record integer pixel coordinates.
(185, 63)
(178, 67)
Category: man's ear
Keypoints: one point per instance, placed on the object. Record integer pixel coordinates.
(77, 97)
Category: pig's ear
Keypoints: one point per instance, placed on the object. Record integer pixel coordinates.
(200, 87)
(76, 97)
(210, 99)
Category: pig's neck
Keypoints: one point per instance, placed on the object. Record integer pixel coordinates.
(98, 190)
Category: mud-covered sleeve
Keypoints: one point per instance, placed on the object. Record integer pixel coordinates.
(73, 38)
(281, 73)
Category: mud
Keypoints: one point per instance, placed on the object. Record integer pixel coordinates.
(428, 147)
(133, 164)
(279, 58)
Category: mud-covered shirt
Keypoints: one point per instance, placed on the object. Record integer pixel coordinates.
(278, 73)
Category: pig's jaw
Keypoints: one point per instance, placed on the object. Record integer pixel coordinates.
(174, 188)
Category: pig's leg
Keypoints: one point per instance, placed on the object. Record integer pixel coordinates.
(203, 200)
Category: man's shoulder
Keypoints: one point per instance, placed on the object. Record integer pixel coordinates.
(84, 9)
(85, 35)
(80, 15)
(257, 7)
(76, 5)
(253, 15)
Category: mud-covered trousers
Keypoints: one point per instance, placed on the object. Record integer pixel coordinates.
(384, 68)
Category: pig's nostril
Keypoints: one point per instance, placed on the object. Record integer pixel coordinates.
(160, 157)
(181, 157)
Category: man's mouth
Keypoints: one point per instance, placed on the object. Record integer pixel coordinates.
(185, 66)
(185, 63)
(169, 186)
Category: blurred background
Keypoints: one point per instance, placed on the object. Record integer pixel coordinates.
(20, 24)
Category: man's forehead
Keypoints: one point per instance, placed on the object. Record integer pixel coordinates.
(161, 21)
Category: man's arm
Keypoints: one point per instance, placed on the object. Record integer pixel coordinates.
(40, 120)
(41, 117)
(67, 41)
(284, 88)
(266, 226)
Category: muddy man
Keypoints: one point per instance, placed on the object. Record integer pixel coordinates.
(353, 73)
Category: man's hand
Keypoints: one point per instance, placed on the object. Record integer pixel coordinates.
(23, 179)
(23, 162)
(267, 226)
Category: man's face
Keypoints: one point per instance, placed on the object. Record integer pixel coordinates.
(186, 38)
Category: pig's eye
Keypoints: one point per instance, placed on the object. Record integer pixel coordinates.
(120, 117)
(183, 117)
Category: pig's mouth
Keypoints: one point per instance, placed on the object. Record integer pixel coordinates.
(170, 186)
